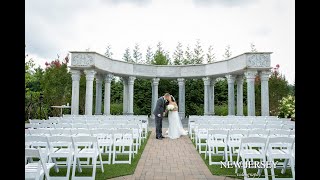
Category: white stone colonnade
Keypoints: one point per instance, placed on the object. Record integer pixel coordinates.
(99, 68)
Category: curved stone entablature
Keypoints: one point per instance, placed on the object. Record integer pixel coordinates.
(234, 65)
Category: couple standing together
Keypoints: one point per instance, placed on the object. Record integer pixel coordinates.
(175, 129)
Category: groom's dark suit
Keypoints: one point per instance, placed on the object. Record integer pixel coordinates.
(158, 111)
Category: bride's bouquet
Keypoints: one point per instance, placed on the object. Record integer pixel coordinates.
(170, 107)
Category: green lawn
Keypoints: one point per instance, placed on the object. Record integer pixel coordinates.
(230, 172)
(110, 170)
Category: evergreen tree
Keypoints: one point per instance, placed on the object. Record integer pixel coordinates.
(227, 53)
(137, 55)
(210, 55)
(189, 56)
(160, 57)
(178, 55)
(198, 53)
(108, 52)
(126, 56)
(149, 55)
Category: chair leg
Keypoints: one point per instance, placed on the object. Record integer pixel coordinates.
(292, 168)
(245, 175)
(114, 154)
(205, 154)
(94, 163)
(101, 163)
(272, 169)
(74, 167)
(238, 158)
(130, 151)
(285, 164)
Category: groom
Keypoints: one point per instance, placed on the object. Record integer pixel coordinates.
(158, 114)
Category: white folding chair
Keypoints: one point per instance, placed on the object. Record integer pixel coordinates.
(258, 152)
(122, 139)
(280, 148)
(273, 126)
(40, 132)
(91, 151)
(279, 133)
(234, 141)
(41, 143)
(60, 132)
(36, 170)
(105, 139)
(201, 135)
(241, 126)
(216, 139)
(66, 150)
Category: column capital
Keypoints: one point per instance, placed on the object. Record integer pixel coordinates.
(131, 79)
(213, 81)
(264, 75)
(250, 74)
(206, 81)
(75, 74)
(108, 78)
(230, 78)
(155, 81)
(90, 74)
(181, 81)
(239, 79)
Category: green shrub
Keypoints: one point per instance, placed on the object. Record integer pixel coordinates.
(116, 108)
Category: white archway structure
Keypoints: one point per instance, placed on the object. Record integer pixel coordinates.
(102, 69)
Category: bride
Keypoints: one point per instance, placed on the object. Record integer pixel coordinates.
(175, 126)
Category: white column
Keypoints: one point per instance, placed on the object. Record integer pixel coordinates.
(250, 76)
(155, 95)
(130, 94)
(231, 79)
(89, 91)
(206, 81)
(98, 94)
(107, 92)
(181, 84)
(264, 76)
(125, 95)
(75, 75)
(239, 95)
(211, 96)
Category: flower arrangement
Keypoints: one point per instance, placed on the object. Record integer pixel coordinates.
(170, 107)
(287, 107)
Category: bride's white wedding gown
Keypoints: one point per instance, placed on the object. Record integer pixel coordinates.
(175, 126)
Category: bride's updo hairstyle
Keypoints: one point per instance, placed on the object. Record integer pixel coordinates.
(172, 98)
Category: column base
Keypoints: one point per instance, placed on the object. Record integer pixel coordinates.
(98, 114)
(182, 115)
(127, 113)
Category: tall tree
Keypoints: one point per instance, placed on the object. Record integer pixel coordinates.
(137, 55)
(160, 57)
(210, 55)
(188, 56)
(253, 47)
(198, 53)
(227, 53)
(178, 55)
(126, 56)
(108, 52)
(149, 55)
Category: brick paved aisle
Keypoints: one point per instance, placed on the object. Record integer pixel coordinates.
(171, 159)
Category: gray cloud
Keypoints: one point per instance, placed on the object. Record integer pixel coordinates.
(225, 3)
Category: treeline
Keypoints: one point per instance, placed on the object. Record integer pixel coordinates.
(55, 83)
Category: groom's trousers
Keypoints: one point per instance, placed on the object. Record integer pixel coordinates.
(158, 121)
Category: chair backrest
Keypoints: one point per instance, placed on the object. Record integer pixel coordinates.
(254, 142)
(81, 132)
(40, 132)
(257, 126)
(258, 133)
(273, 126)
(279, 133)
(240, 126)
(79, 125)
(288, 126)
(281, 142)
(35, 153)
(89, 140)
(61, 132)
(61, 141)
(218, 135)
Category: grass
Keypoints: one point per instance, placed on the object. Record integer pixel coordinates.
(110, 170)
(230, 172)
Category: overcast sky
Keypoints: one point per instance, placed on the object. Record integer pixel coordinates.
(58, 26)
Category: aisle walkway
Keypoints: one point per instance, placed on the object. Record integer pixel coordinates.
(171, 159)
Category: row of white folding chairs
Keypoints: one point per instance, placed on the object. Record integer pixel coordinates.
(71, 148)
(109, 142)
(250, 148)
(193, 128)
(136, 133)
(202, 134)
(65, 120)
(84, 124)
